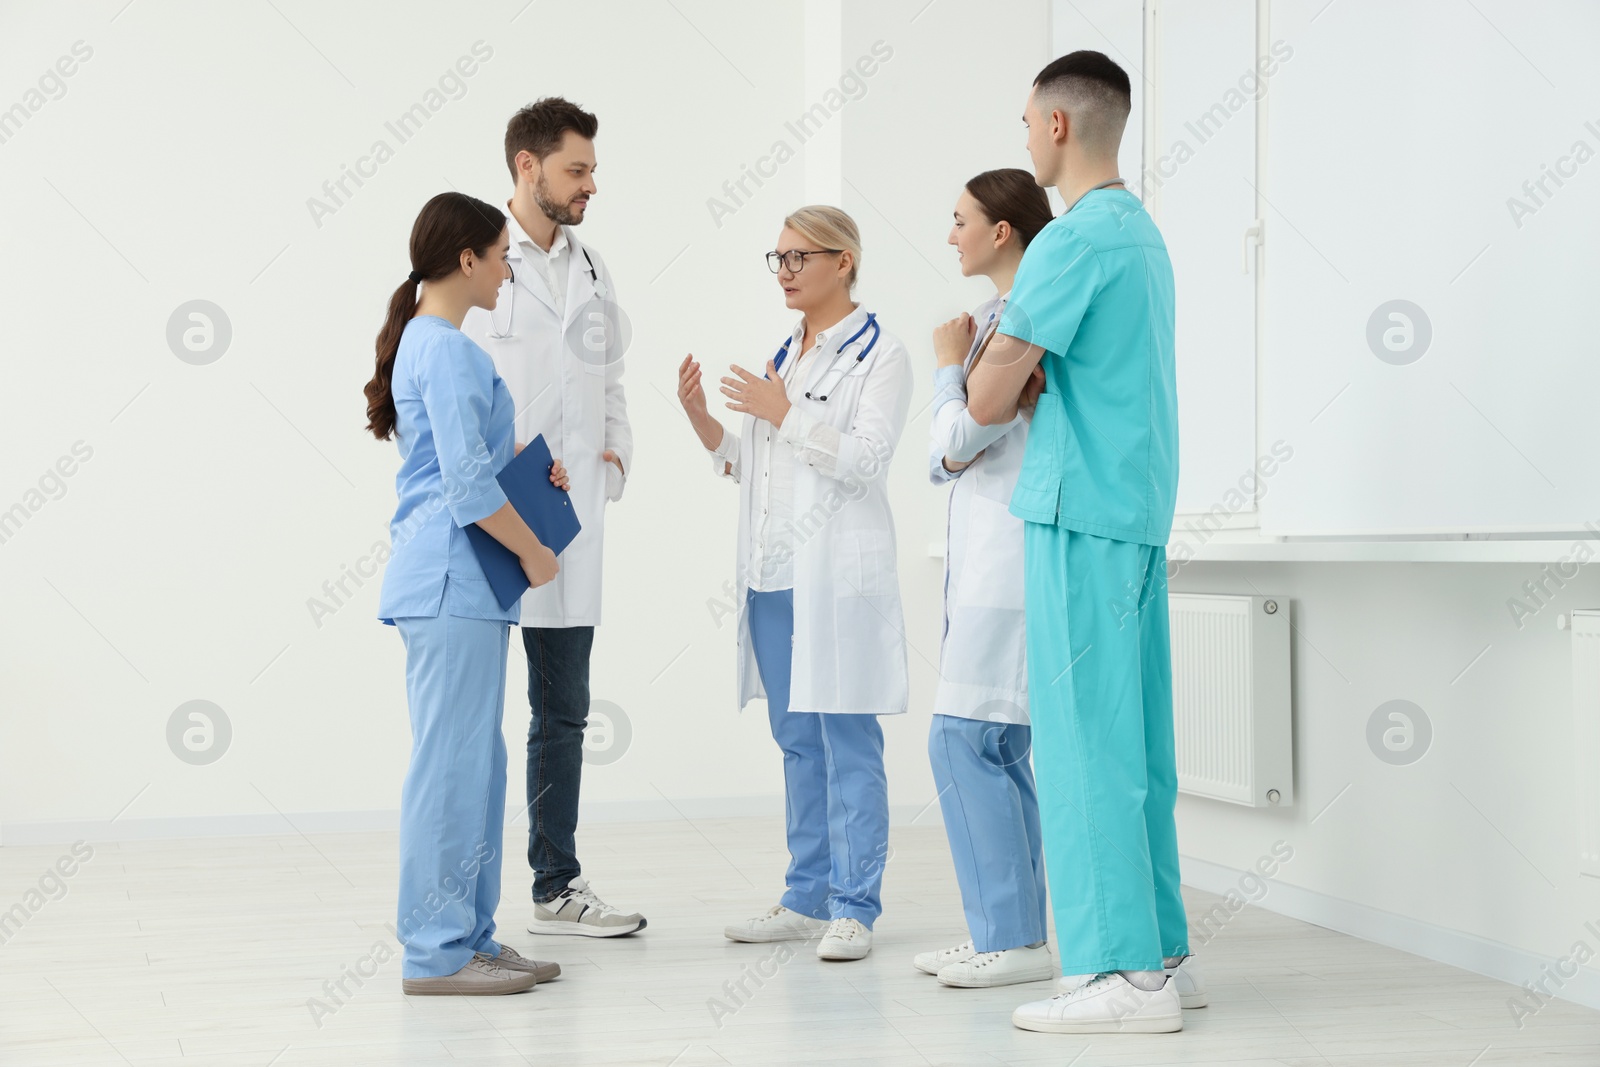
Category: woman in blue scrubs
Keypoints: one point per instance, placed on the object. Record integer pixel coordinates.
(979, 741)
(437, 394)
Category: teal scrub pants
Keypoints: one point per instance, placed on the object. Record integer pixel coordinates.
(1100, 700)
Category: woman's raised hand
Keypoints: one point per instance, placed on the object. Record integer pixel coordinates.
(691, 394)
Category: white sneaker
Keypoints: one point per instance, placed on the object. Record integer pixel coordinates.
(934, 962)
(778, 924)
(1011, 966)
(1106, 1004)
(846, 939)
(1187, 978)
(576, 910)
(1190, 982)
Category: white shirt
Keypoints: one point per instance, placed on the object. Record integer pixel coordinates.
(552, 265)
(773, 535)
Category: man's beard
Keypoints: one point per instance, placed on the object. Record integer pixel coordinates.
(560, 213)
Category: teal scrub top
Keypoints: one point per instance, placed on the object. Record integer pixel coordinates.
(453, 423)
(1094, 290)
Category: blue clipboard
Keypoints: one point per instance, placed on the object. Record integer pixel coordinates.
(547, 510)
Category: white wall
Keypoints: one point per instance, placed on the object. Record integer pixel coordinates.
(1477, 837)
(179, 561)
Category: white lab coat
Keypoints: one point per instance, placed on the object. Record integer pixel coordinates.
(576, 402)
(983, 656)
(849, 634)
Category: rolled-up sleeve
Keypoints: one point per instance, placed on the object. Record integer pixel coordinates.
(457, 386)
(866, 449)
(726, 455)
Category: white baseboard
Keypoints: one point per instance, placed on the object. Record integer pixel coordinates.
(134, 828)
(1470, 952)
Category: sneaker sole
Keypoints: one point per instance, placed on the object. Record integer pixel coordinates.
(542, 926)
(1159, 1024)
(839, 957)
(766, 939)
(989, 983)
(423, 987)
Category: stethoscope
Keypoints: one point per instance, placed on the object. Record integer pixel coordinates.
(511, 305)
(855, 338)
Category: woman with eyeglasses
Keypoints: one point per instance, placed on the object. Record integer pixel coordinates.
(979, 740)
(820, 632)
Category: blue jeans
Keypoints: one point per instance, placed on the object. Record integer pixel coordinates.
(836, 795)
(558, 695)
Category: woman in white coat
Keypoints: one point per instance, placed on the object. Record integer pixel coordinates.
(980, 739)
(820, 632)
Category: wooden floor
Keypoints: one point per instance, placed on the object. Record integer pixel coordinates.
(210, 952)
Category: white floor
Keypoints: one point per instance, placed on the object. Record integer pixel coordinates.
(208, 952)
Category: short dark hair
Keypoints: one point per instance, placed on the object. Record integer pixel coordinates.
(539, 128)
(1095, 88)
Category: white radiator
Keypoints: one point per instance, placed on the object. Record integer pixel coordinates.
(1586, 734)
(1230, 698)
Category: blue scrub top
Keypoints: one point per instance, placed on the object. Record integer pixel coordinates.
(453, 423)
(1095, 292)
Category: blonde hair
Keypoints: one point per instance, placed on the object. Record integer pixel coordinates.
(829, 227)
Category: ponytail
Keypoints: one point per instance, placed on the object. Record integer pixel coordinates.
(380, 396)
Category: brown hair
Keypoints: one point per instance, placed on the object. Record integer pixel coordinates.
(446, 226)
(539, 127)
(1011, 195)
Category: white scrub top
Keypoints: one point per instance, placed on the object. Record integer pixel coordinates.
(982, 658)
(849, 633)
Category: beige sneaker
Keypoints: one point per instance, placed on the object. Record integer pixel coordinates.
(481, 977)
(578, 911)
(846, 939)
(1012, 966)
(934, 962)
(511, 959)
(778, 924)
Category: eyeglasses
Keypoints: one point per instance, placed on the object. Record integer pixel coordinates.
(795, 260)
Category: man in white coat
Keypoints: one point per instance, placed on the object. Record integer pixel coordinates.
(557, 339)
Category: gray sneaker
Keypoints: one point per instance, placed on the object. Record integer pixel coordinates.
(513, 960)
(481, 977)
(576, 910)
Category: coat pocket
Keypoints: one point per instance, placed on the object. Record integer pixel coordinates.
(864, 564)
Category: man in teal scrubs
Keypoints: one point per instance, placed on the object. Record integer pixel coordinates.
(1093, 305)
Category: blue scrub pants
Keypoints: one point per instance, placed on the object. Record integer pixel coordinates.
(1100, 700)
(836, 793)
(991, 816)
(453, 803)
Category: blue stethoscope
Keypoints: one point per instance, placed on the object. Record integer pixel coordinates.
(855, 338)
(511, 310)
